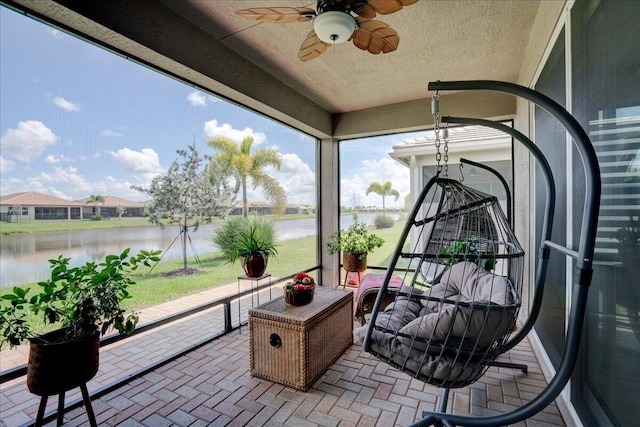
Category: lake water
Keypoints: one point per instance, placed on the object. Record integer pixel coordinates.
(24, 257)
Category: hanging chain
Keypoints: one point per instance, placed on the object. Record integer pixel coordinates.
(435, 110)
(445, 136)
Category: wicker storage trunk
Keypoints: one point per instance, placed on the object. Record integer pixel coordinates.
(293, 346)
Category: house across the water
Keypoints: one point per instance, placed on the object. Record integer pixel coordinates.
(31, 205)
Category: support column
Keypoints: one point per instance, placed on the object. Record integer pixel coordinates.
(329, 208)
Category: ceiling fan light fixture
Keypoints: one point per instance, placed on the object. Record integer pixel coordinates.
(334, 26)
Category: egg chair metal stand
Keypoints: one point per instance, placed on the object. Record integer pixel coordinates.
(463, 283)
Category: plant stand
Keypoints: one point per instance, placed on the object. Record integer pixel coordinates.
(60, 419)
(56, 367)
(352, 265)
(255, 283)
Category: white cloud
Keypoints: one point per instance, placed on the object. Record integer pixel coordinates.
(57, 193)
(301, 188)
(197, 99)
(144, 161)
(297, 179)
(212, 129)
(63, 176)
(291, 163)
(28, 141)
(66, 105)
(6, 165)
(52, 159)
(10, 185)
(123, 188)
(109, 132)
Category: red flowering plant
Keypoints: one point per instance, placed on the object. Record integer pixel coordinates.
(301, 282)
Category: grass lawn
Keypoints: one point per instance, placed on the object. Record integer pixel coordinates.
(49, 226)
(293, 256)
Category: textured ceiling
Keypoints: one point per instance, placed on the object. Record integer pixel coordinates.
(446, 40)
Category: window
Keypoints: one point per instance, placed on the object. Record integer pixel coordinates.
(606, 101)
(408, 161)
(77, 120)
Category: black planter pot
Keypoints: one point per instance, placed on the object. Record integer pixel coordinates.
(55, 367)
(255, 265)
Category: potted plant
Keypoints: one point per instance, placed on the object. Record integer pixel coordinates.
(300, 291)
(83, 302)
(253, 252)
(355, 243)
(240, 238)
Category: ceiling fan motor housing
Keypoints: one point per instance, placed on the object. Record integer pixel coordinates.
(334, 26)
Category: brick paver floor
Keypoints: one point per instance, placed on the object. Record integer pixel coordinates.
(211, 386)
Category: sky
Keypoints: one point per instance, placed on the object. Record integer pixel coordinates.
(77, 120)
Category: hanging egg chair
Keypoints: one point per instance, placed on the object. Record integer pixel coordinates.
(462, 288)
(462, 272)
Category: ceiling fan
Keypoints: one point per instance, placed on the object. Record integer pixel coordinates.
(334, 22)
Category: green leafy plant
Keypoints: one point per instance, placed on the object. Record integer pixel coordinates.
(79, 299)
(354, 240)
(250, 244)
(459, 250)
(454, 252)
(233, 237)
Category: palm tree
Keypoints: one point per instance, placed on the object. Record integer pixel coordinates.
(94, 200)
(383, 190)
(238, 160)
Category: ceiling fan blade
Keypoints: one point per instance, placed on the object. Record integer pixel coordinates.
(278, 15)
(385, 7)
(375, 37)
(362, 8)
(312, 47)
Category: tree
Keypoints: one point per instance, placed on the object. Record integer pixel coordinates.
(121, 210)
(383, 190)
(237, 160)
(189, 190)
(95, 200)
(355, 201)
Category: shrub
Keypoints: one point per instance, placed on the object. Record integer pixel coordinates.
(96, 217)
(228, 236)
(381, 221)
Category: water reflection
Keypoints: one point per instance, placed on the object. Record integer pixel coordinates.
(24, 257)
